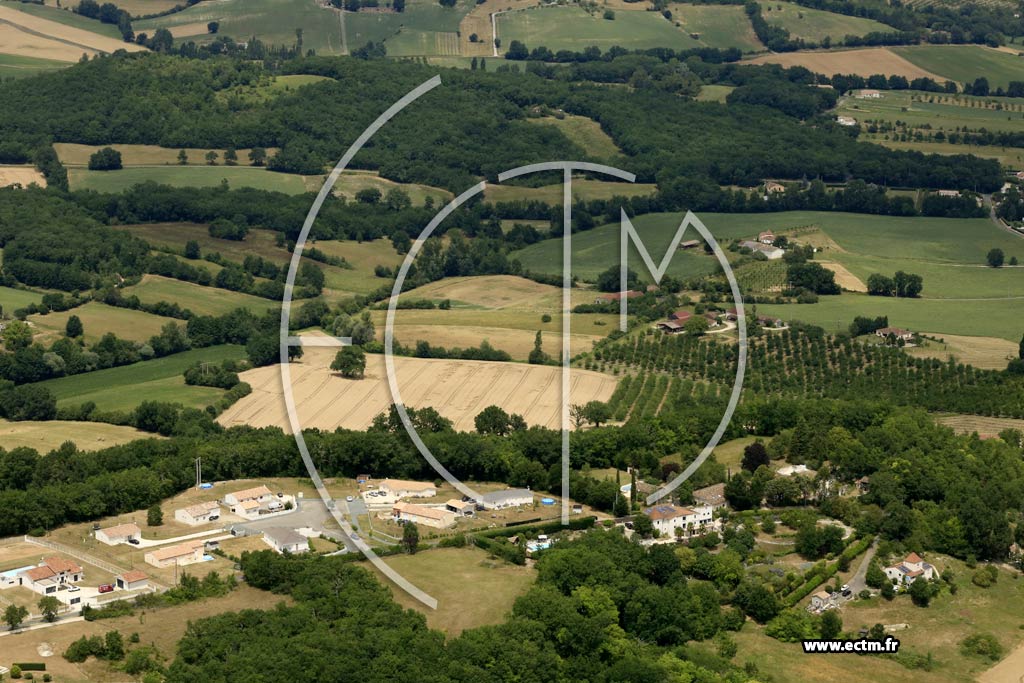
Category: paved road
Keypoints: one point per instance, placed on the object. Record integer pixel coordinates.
(857, 582)
(987, 199)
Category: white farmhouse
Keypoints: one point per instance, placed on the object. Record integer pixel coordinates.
(910, 570)
(690, 521)
(509, 498)
(122, 533)
(201, 513)
(401, 488)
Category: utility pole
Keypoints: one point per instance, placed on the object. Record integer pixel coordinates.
(199, 472)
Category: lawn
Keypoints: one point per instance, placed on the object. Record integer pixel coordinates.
(98, 319)
(721, 26)
(198, 299)
(67, 18)
(572, 28)
(963, 63)
(584, 132)
(472, 589)
(816, 25)
(160, 379)
(12, 299)
(191, 176)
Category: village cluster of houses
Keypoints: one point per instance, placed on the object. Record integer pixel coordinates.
(442, 516)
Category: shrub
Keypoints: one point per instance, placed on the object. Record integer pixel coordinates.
(985, 576)
(982, 645)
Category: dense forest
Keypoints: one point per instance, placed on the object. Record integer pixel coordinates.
(473, 126)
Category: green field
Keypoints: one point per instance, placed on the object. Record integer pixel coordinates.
(938, 110)
(12, 299)
(816, 25)
(269, 88)
(364, 257)
(963, 63)
(198, 299)
(721, 26)
(98, 319)
(188, 176)
(584, 132)
(48, 435)
(15, 66)
(572, 28)
(350, 182)
(714, 93)
(1010, 157)
(125, 387)
(424, 28)
(67, 18)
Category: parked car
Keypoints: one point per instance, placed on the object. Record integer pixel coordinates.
(73, 589)
(214, 518)
(106, 588)
(133, 541)
(280, 495)
(845, 589)
(349, 498)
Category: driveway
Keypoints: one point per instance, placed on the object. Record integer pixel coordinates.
(149, 543)
(308, 512)
(857, 582)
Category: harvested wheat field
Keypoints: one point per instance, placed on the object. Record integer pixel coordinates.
(21, 175)
(14, 41)
(478, 22)
(458, 389)
(517, 343)
(989, 353)
(984, 426)
(845, 278)
(75, 40)
(864, 62)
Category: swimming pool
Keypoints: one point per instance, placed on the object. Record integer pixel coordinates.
(12, 573)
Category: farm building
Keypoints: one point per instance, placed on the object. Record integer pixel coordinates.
(772, 253)
(766, 237)
(285, 540)
(439, 518)
(689, 521)
(909, 570)
(768, 321)
(771, 187)
(176, 555)
(670, 327)
(131, 581)
(712, 496)
(615, 296)
(897, 332)
(362, 478)
(400, 488)
(846, 121)
(463, 508)
(51, 574)
(121, 533)
(689, 244)
(680, 316)
(712, 318)
(868, 94)
(509, 498)
(201, 513)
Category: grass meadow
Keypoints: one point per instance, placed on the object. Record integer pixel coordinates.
(584, 132)
(572, 28)
(964, 63)
(12, 299)
(46, 436)
(721, 26)
(191, 176)
(582, 188)
(940, 111)
(816, 25)
(161, 379)
(73, 154)
(98, 319)
(18, 66)
(200, 300)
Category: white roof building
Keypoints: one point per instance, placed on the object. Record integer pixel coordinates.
(118, 534)
(285, 540)
(509, 498)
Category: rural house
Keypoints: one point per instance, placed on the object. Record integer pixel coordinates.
(122, 533)
(846, 121)
(285, 540)
(690, 522)
(868, 94)
(177, 555)
(439, 518)
(770, 252)
(400, 488)
(771, 187)
(909, 570)
(132, 581)
(821, 601)
(258, 494)
(509, 498)
(680, 316)
(713, 496)
(897, 332)
(766, 238)
(51, 574)
(201, 513)
(671, 327)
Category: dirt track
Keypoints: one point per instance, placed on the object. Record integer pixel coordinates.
(459, 390)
